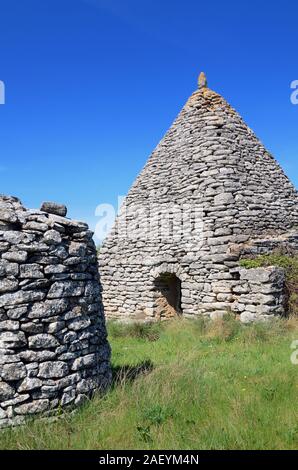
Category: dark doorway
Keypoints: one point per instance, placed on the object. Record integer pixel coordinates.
(168, 300)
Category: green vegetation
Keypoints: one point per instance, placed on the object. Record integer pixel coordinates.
(290, 265)
(185, 385)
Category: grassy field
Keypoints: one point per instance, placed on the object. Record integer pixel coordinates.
(185, 385)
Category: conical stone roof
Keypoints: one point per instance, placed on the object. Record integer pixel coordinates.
(211, 168)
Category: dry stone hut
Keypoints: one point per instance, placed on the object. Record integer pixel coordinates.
(209, 194)
(53, 346)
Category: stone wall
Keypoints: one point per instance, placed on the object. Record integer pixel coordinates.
(286, 243)
(53, 346)
(260, 293)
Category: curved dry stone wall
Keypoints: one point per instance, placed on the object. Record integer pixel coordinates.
(53, 346)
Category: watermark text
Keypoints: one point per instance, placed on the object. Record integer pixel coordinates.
(167, 222)
(2, 92)
(294, 355)
(294, 95)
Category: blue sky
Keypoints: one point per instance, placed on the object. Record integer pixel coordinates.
(92, 86)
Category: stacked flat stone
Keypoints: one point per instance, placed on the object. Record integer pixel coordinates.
(53, 346)
(260, 293)
(212, 161)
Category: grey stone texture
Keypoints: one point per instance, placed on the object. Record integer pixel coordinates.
(53, 341)
(54, 208)
(236, 201)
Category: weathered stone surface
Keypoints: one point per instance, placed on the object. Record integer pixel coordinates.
(35, 226)
(56, 326)
(30, 271)
(42, 341)
(224, 198)
(14, 371)
(35, 407)
(8, 269)
(15, 256)
(8, 285)
(49, 308)
(37, 356)
(10, 209)
(55, 369)
(29, 384)
(73, 226)
(55, 269)
(263, 275)
(9, 325)
(17, 312)
(84, 361)
(77, 249)
(85, 386)
(20, 297)
(248, 317)
(66, 289)
(79, 324)
(30, 327)
(6, 391)
(54, 208)
(52, 237)
(12, 340)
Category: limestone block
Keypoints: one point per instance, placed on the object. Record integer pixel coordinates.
(53, 369)
(42, 341)
(54, 208)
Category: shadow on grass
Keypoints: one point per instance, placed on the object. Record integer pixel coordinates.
(124, 374)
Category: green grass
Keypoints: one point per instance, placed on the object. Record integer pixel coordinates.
(185, 385)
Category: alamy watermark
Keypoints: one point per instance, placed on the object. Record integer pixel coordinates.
(169, 222)
(294, 355)
(294, 95)
(2, 92)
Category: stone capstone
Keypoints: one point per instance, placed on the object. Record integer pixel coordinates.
(54, 208)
